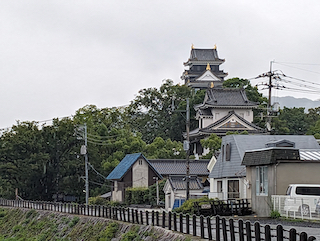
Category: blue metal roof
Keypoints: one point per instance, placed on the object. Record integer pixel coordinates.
(124, 166)
(126, 163)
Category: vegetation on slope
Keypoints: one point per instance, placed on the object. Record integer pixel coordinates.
(27, 225)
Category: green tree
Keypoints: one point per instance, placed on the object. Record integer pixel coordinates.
(291, 121)
(161, 112)
(213, 143)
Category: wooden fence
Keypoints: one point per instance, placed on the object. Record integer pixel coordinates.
(238, 207)
(211, 228)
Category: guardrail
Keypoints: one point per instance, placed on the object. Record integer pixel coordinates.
(303, 208)
(210, 228)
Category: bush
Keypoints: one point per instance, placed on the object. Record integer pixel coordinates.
(188, 206)
(275, 214)
(137, 195)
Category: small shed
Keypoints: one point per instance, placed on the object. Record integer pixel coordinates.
(175, 190)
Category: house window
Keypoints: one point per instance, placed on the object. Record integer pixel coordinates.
(262, 181)
(228, 151)
(222, 153)
(140, 162)
(248, 113)
(219, 186)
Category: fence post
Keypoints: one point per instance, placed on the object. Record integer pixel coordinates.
(175, 221)
(267, 233)
(163, 219)
(137, 216)
(257, 233)
(279, 233)
(181, 222)
(147, 217)
(152, 217)
(132, 215)
(169, 221)
(194, 224)
(231, 227)
(311, 238)
(141, 217)
(248, 230)
(241, 232)
(209, 228)
(157, 218)
(303, 236)
(188, 224)
(201, 226)
(224, 229)
(217, 228)
(293, 235)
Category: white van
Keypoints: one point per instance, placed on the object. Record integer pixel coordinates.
(302, 198)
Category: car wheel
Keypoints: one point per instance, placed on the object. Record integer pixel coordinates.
(304, 210)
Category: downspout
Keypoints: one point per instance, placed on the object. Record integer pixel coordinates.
(275, 178)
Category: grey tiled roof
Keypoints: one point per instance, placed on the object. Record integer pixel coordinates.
(204, 54)
(178, 167)
(242, 143)
(226, 97)
(178, 183)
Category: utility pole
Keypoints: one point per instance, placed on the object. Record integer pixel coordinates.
(86, 164)
(188, 151)
(84, 152)
(156, 178)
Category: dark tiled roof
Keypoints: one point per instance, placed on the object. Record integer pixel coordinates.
(178, 183)
(126, 163)
(204, 54)
(226, 97)
(269, 156)
(178, 167)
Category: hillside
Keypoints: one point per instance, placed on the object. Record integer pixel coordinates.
(25, 224)
(290, 102)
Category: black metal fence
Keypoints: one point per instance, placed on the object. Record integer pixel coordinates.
(211, 228)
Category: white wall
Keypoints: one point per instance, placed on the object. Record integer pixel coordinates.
(140, 173)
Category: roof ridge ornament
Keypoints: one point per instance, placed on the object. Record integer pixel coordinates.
(208, 67)
(215, 46)
(192, 46)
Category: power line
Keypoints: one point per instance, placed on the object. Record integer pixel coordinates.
(298, 68)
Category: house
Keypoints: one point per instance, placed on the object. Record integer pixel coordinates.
(169, 167)
(133, 171)
(228, 176)
(175, 190)
(269, 171)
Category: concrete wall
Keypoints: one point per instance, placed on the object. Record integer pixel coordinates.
(296, 173)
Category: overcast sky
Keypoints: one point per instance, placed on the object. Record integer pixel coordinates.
(58, 56)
